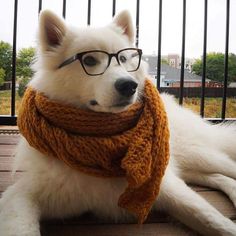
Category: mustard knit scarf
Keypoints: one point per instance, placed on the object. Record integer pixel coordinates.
(133, 144)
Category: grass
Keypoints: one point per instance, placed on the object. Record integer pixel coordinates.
(5, 102)
(212, 105)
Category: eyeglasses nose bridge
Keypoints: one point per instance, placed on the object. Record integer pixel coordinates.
(111, 55)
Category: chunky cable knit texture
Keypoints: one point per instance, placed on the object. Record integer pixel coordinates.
(133, 144)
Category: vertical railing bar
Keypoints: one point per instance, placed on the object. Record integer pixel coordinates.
(64, 9)
(13, 84)
(113, 7)
(89, 13)
(40, 6)
(204, 59)
(159, 46)
(182, 55)
(137, 23)
(226, 60)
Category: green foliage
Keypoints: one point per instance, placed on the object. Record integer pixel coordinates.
(232, 67)
(25, 58)
(6, 59)
(2, 76)
(22, 85)
(164, 61)
(215, 67)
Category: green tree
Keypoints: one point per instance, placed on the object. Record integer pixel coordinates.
(6, 59)
(25, 58)
(164, 61)
(232, 67)
(215, 67)
(22, 86)
(2, 76)
(24, 72)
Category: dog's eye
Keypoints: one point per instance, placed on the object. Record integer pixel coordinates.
(122, 59)
(90, 61)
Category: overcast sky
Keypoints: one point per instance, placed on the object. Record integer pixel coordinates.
(76, 14)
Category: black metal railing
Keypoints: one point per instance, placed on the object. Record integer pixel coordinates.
(181, 90)
(159, 45)
(226, 60)
(11, 119)
(204, 54)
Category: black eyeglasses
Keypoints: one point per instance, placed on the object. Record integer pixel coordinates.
(96, 62)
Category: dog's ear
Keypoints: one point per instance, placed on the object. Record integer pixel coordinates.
(124, 21)
(52, 29)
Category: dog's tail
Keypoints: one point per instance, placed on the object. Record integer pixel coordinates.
(225, 138)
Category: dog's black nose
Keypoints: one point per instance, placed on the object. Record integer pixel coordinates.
(126, 87)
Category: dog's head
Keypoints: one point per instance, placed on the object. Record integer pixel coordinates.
(95, 68)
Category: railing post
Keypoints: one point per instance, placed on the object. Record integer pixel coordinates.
(204, 60)
(181, 91)
(89, 13)
(40, 6)
(159, 46)
(13, 84)
(113, 7)
(137, 23)
(64, 9)
(226, 60)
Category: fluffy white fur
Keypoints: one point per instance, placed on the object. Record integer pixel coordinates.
(201, 153)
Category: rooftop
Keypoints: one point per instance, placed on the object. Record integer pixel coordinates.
(170, 73)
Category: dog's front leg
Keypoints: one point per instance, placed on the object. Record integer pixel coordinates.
(19, 212)
(186, 205)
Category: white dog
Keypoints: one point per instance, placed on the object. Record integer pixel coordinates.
(201, 153)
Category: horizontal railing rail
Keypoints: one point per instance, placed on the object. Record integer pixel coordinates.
(180, 93)
(196, 92)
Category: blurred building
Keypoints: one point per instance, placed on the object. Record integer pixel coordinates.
(170, 75)
(173, 60)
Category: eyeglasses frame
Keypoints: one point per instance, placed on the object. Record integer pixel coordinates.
(79, 56)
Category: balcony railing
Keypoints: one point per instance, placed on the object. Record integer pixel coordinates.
(11, 119)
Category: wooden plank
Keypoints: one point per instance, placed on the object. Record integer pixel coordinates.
(117, 230)
(221, 202)
(9, 139)
(155, 229)
(6, 163)
(7, 150)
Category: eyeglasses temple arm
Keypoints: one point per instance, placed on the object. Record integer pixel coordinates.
(68, 61)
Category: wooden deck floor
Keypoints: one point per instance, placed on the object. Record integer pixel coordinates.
(87, 225)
